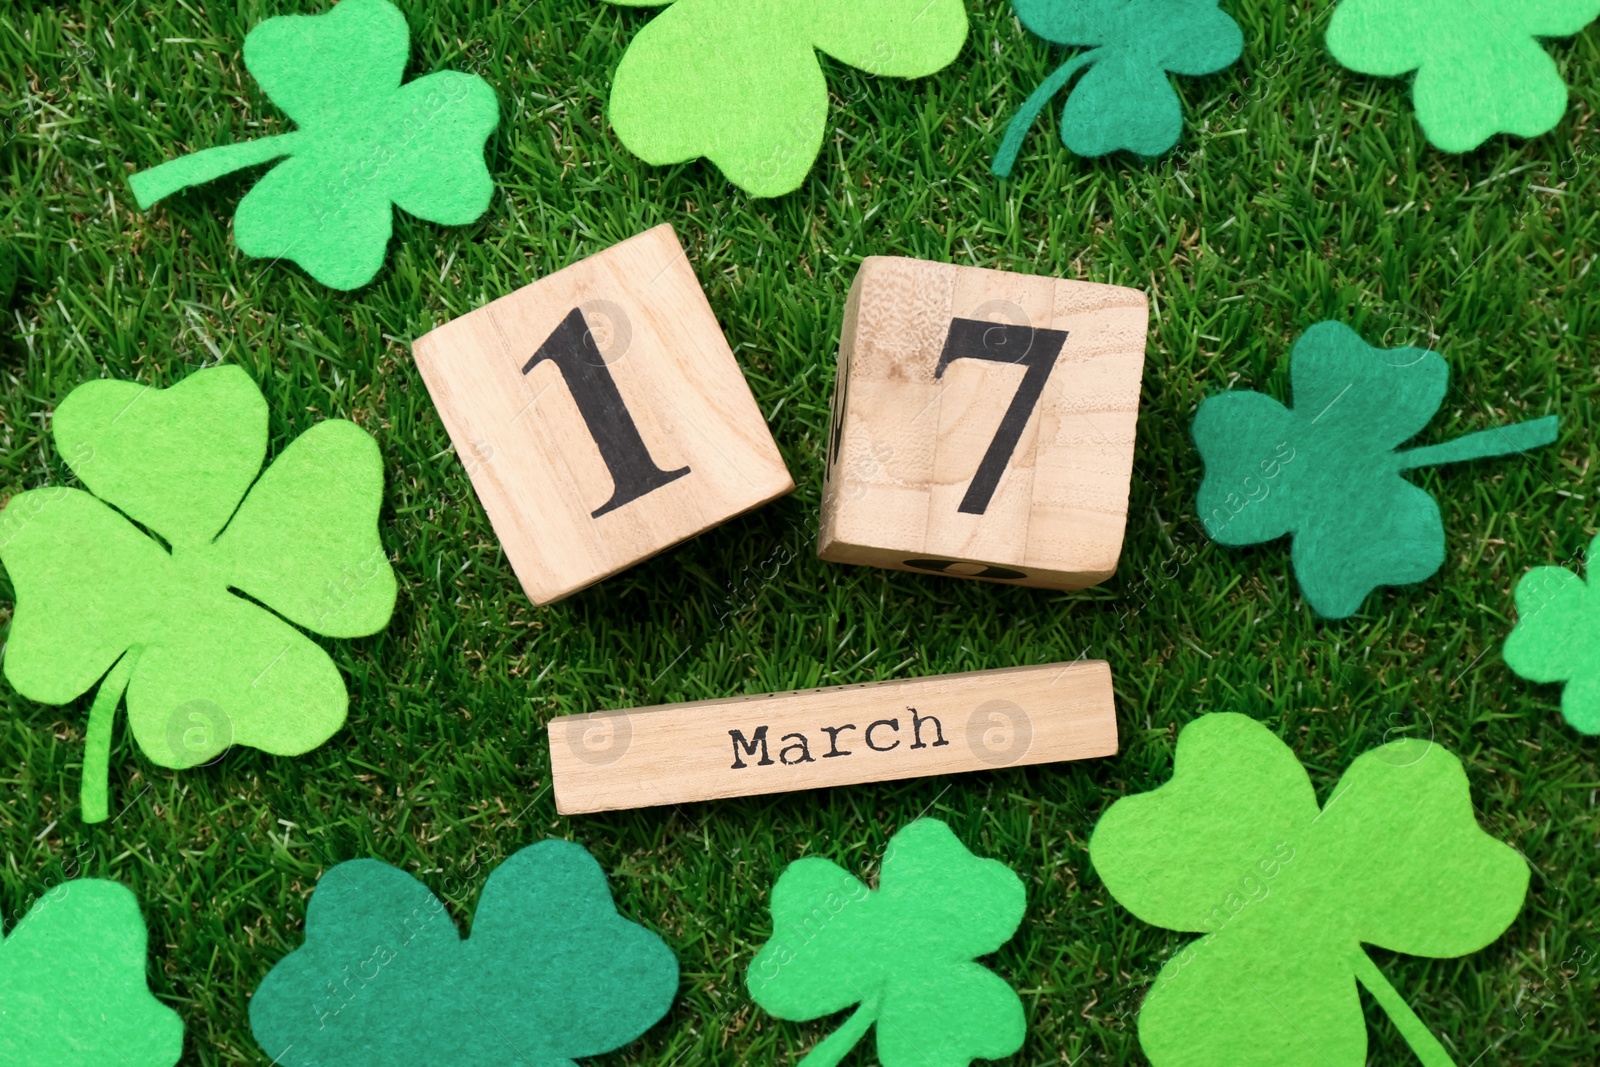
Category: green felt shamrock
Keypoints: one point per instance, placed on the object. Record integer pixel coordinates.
(551, 972)
(1328, 471)
(202, 667)
(1557, 639)
(1125, 100)
(72, 985)
(903, 952)
(364, 142)
(1235, 848)
(1480, 68)
(738, 82)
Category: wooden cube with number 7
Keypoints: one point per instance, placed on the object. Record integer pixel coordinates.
(983, 424)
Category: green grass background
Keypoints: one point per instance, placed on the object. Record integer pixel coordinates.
(1299, 192)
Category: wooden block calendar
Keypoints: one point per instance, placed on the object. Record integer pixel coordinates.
(983, 424)
(841, 735)
(601, 415)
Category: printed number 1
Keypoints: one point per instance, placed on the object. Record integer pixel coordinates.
(571, 348)
(997, 342)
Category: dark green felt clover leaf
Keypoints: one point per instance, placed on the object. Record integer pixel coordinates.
(738, 81)
(72, 984)
(551, 972)
(1328, 471)
(1286, 893)
(100, 600)
(903, 952)
(1557, 639)
(1480, 67)
(365, 141)
(1125, 101)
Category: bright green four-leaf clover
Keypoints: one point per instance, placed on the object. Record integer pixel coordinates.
(1125, 101)
(364, 142)
(1557, 639)
(1328, 472)
(72, 984)
(738, 82)
(1480, 67)
(1286, 893)
(100, 600)
(903, 953)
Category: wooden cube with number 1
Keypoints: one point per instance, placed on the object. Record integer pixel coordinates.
(601, 415)
(983, 424)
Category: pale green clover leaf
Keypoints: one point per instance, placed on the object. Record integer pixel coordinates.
(738, 82)
(365, 141)
(1286, 892)
(1480, 67)
(202, 665)
(72, 984)
(904, 953)
(1557, 639)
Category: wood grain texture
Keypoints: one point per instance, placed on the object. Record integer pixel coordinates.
(845, 735)
(907, 441)
(536, 461)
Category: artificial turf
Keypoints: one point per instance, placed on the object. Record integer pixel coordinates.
(1299, 192)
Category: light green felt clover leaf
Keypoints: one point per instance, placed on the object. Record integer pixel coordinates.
(903, 952)
(738, 82)
(1557, 639)
(72, 985)
(202, 666)
(364, 142)
(1328, 471)
(1480, 68)
(1285, 894)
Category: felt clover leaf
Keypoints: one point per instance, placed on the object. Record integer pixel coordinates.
(1480, 68)
(72, 985)
(551, 972)
(738, 82)
(1557, 639)
(1125, 100)
(364, 142)
(1328, 471)
(1287, 893)
(903, 952)
(202, 667)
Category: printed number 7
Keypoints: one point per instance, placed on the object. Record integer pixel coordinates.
(1002, 343)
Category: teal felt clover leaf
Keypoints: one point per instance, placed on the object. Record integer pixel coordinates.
(364, 142)
(551, 973)
(1125, 100)
(1328, 472)
(1480, 68)
(1557, 639)
(72, 984)
(1286, 893)
(903, 953)
(154, 611)
(738, 82)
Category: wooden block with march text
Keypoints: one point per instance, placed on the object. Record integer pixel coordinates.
(844, 735)
(601, 415)
(983, 424)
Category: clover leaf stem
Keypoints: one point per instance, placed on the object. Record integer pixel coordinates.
(1413, 1029)
(92, 793)
(1006, 158)
(837, 1045)
(159, 182)
(1499, 441)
